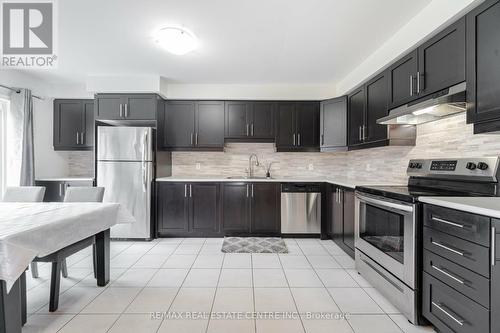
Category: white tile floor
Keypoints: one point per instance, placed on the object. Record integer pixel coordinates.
(192, 275)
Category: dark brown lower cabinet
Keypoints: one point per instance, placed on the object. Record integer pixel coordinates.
(251, 208)
(188, 209)
(340, 217)
(56, 189)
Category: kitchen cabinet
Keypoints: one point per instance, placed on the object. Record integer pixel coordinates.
(333, 124)
(56, 189)
(251, 208)
(298, 126)
(192, 125)
(249, 121)
(126, 106)
(341, 217)
(188, 209)
(402, 85)
(356, 107)
(73, 127)
(483, 72)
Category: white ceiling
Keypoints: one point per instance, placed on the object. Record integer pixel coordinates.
(242, 41)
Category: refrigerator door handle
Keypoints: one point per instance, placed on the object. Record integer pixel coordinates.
(145, 147)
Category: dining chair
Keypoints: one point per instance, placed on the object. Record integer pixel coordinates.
(58, 260)
(25, 194)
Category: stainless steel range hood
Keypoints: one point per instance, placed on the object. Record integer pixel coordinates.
(429, 108)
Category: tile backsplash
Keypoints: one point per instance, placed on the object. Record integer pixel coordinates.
(449, 137)
(80, 163)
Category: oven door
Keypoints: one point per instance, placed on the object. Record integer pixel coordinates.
(385, 232)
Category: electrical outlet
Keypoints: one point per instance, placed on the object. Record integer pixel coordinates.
(198, 166)
(310, 167)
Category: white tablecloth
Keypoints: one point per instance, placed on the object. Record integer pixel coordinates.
(29, 230)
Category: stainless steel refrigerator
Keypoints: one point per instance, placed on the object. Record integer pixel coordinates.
(125, 170)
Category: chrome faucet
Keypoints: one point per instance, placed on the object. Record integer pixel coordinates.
(250, 165)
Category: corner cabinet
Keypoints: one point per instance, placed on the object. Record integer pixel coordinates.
(192, 125)
(73, 124)
(298, 127)
(249, 121)
(251, 208)
(483, 71)
(340, 217)
(126, 106)
(333, 124)
(188, 209)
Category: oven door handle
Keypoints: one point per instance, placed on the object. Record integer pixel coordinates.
(386, 204)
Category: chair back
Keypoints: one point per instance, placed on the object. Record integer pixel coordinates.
(84, 194)
(24, 194)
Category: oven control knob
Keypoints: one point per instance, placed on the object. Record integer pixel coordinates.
(411, 165)
(471, 166)
(418, 165)
(482, 166)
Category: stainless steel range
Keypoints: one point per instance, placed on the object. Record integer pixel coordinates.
(388, 230)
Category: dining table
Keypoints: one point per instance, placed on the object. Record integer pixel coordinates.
(36, 230)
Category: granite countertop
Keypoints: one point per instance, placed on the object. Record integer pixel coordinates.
(341, 181)
(65, 179)
(487, 206)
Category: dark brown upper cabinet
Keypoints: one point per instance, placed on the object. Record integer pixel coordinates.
(483, 69)
(333, 124)
(192, 125)
(356, 106)
(73, 124)
(298, 126)
(402, 83)
(126, 106)
(249, 121)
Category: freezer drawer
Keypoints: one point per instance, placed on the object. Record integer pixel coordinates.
(128, 183)
(300, 213)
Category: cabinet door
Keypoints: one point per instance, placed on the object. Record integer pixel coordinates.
(286, 134)
(307, 124)
(204, 208)
(441, 60)
(262, 121)
(88, 118)
(356, 104)
(265, 207)
(337, 215)
(376, 107)
(178, 124)
(140, 107)
(173, 209)
(237, 116)
(483, 59)
(67, 123)
(402, 80)
(235, 207)
(54, 190)
(209, 131)
(109, 106)
(495, 278)
(348, 201)
(333, 123)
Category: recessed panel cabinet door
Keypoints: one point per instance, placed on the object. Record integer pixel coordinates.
(235, 207)
(376, 108)
(402, 80)
(265, 207)
(108, 107)
(209, 124)
(348, 199)
(333, 123)
(68, 122)
(140, 107)
(307, 124)
(262, 122)
(237, 116)
(179, 124)
(356, 105)
(286, 136)
(337, 222)
(88, 115)
(173, 210)
(441, 60)
(204, 198)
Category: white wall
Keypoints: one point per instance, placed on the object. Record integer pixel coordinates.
(432, 18)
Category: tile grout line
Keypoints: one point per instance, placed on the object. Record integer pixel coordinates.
(215, 294)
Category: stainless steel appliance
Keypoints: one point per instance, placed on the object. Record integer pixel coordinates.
(300, 208)
(388, 229)
(125, 170)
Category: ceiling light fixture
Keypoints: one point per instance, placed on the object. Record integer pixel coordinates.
(176, 40)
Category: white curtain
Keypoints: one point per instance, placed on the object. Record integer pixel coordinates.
(19, 140)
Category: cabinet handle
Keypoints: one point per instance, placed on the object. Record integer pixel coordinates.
(437, 219)
(121, 110)
(251, 129)
(247, 190)
(82, 140)
(60, 189)
(252, 190)
(77, 138)
(442, 271)
(298, 139)
(248, 129)
(190, 190)
(294, 139)
(411, 85)
(322, 139)
(448, 248)
(191, 139)
(441, 308)
(418, 82)
(196, 138)
(126, 110)
(493, 246)
(185, 190)
(359, 134)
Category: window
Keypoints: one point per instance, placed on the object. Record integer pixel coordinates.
(4, 105)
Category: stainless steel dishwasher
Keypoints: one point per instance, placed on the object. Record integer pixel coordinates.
(300, 208)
